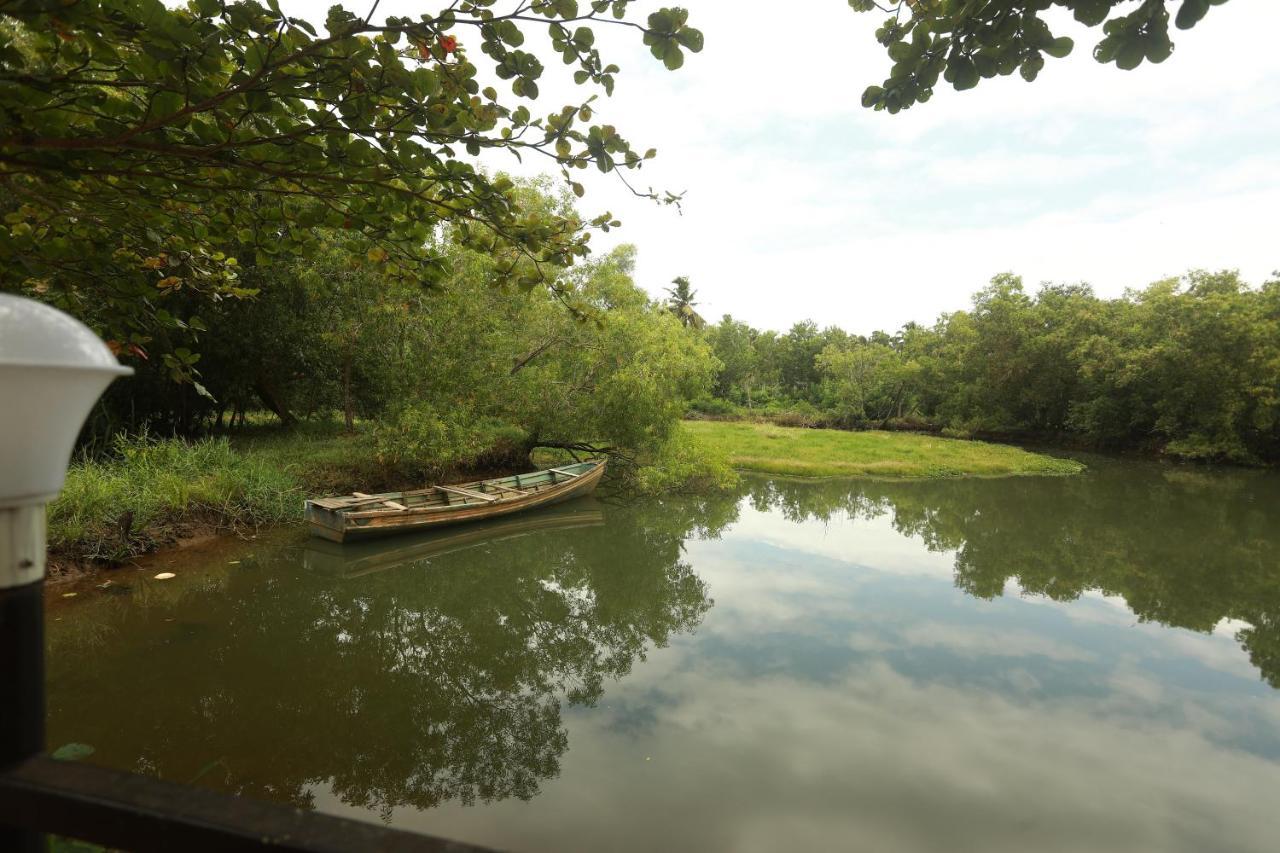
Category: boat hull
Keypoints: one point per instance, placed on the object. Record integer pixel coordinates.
(339, 525)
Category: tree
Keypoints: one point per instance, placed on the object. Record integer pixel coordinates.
(147, 151)
(682, 305)
(513, 375)
(797, 351)
(964, 42)
(868, 381)
(734, 344)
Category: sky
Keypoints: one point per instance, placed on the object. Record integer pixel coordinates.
(800, 204)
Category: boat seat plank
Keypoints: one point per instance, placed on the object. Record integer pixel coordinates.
(467, 493)
(566, 473)
(360, 500)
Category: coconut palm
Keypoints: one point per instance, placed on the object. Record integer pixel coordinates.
(681, 303)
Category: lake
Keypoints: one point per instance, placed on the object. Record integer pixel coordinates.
(1053, 664)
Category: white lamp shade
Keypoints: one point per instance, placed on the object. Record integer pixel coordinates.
(53, 368)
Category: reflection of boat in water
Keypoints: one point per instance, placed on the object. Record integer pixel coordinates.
(360, 558)
(362, 516)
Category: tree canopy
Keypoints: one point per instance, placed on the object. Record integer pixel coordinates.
(146, 150)
(1189, 366)
(964, 41)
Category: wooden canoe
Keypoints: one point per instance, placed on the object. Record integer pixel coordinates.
(361, 516)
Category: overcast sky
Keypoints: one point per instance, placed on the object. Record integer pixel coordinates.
(802, 204)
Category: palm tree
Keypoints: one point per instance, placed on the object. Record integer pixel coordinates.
(681, 303)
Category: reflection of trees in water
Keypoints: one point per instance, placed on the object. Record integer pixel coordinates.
(412, 686)
(1183, 548)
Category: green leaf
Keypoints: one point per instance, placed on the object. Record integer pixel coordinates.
(1131, 54)
(691, 38)
(672, 56)
(1032, 67)
(1060, 47)
(965, 74)
(72, 752)
(1190, 13)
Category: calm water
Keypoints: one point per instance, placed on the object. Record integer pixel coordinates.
(1081, 664)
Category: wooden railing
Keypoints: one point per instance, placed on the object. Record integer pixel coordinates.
(136, 813)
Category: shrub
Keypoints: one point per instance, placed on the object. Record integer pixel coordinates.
(422, 439)
(716, 407)
(798, 413)
(683, 464)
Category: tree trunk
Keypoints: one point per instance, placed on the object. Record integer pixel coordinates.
(348, 407)
(271, 399)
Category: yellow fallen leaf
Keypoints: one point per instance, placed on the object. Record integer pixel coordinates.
(164, 576)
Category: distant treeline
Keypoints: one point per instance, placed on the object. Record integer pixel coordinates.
(1189, 367)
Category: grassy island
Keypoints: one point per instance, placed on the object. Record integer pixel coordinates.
(836, 453)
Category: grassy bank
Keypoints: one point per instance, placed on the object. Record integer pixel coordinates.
(151, 493)
(834, 453)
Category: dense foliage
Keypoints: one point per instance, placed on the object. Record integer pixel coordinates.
(1189, 366)
(148, 153)
(964, 41)
(459, 375)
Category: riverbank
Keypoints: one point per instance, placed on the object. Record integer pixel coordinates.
(153, 494)
(772, 449)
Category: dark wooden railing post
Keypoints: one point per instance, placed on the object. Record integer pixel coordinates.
(22, 561)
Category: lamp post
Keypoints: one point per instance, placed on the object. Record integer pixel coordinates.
(52, 371)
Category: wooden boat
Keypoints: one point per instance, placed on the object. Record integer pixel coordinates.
(361, 516)
(356, 559)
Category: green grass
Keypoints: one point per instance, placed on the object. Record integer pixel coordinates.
(158, 484)
(171, 487)
(837, 453)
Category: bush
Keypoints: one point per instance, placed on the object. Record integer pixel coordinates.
(424, 440)
(715, 407)
(1198, 448)
(684, 464)
(798, 413)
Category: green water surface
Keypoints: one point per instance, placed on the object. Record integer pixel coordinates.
(1031, 664)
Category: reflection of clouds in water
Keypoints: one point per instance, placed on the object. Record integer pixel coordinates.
(861, 541)
(767, 591)
(989, 641)
(877, 761)
(845, 693)
(872, 546)
(1218, 650)
(1091, 651)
